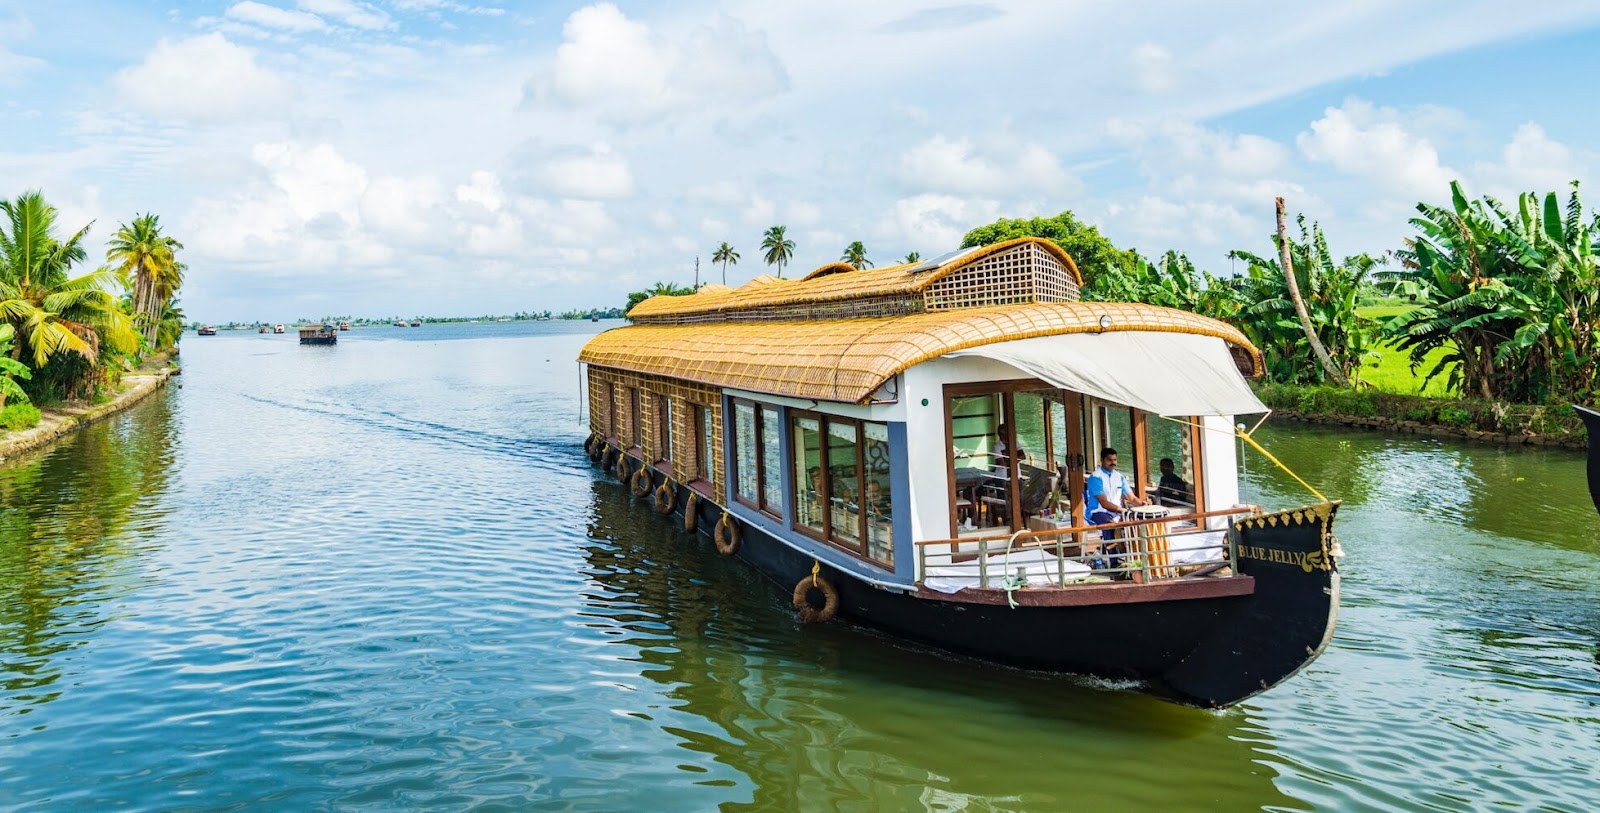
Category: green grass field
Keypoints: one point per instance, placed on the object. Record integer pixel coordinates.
(1391, 372)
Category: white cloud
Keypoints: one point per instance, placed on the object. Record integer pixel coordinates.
(1360, 139)
(253, 13)
(623, 70)
(1533, 162)
(358, 15)
(1153, 221)
(941, 164)
(804, 214)
(1153, 68)
(720, 193)
(760, 212)
(204, 78)
(596, 173)
(934, 224)
(713, 228)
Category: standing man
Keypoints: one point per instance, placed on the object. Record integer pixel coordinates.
(1106, 493)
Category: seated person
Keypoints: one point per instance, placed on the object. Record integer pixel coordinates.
(1173, 490)
(875, 500)
(1105, 495)
(1002, 453)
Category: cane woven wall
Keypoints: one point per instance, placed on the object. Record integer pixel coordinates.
(611, 414)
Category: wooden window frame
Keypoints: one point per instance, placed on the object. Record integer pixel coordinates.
(664, 431)
(760, 502)
(825, 499)
(635, 418)
(701, 414)
(611, 409)
(1008, 415)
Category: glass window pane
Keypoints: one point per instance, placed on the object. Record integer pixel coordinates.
(1031, 428)
(844, 479)
(706, 452)
(808, 498)
(875, 493)
(771, 462)
(1058, 434)
(744, 450)
(1171, 450)
(974, 419)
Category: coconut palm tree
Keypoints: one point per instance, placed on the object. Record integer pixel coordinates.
(143, 253)
(779, 248)
(727, 256)
(55, 317)
(856, 255)
(912, 256)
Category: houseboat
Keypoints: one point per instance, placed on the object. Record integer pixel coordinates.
(912, 448)
(207, 330)
(319, 334)
(261, 329)
(277, 328)
(1591, 424)
(344, 325)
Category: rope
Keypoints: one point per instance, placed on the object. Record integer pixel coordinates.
(1009, 581)
(816, 569)
(1240, 432)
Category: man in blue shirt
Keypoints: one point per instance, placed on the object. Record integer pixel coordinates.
(1107, 493)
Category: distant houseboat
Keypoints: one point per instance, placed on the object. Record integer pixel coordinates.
(911, 447)
(319, 334)
(277, 328)
(344, 325)
(594, 317)
(207, 330)
(416, 323)
(262, 329)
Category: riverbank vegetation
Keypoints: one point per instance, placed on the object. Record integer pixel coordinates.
(69, 335)
(1493, 301)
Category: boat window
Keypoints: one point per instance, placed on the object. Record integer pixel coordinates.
(843, 483)
(702, 442)
(810, 489)
(664, 428)
(746, 473)
(981, 460)
(874, 500)
(609, 418)
(973, 422)
(635, 418)
(771, 462)
(1168, 440)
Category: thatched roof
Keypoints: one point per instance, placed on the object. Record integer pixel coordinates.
(847, 359)
(835, 282)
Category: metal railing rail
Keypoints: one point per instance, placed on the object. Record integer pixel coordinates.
(1135, 561)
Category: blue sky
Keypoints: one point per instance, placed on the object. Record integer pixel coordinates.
(473, 156)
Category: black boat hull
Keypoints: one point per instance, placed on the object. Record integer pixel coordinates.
(1203, 642)
(1591, 422)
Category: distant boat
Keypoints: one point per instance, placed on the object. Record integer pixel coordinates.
(344, 325)
(594, 317)
(400, 323)
(262, 329)
(502, 319)
(277, 328)
(207, 330)
(319, 334)
(416, 323)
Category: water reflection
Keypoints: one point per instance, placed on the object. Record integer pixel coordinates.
(70, 529)
(837, 717)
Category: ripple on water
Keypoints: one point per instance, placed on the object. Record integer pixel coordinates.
(383, 576)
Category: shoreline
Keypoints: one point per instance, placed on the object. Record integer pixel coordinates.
(58, 422)
(1556, 427)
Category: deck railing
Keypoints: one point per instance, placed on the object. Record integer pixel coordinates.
(1148, 549)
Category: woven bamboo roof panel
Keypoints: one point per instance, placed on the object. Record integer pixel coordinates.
(989, 275)
(847, 360)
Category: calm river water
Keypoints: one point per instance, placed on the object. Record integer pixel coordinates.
(383, 575)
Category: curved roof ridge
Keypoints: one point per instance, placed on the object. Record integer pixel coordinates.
(848, 359)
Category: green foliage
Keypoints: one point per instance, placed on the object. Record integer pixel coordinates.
(911, 257)
(725, 255)
(658, 289)
(1103, 265)
(1331, 291)
(779, 248)
(11, 369)
(1508, 302)
(1471, 414)
(21, 415)
(856, 255)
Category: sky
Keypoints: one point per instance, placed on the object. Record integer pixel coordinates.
(467, 157)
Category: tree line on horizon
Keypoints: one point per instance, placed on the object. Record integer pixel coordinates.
(66, 336)
(1501, 301)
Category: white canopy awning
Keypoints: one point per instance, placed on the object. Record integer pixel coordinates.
(1166, 373)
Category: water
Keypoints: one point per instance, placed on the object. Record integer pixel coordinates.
(383, 575)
